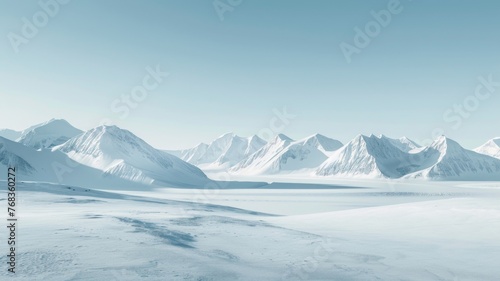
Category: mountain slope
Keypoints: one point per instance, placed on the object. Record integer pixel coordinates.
(54, 167)
(43, 165)
(324, 144)
(404, 143)
(491, 148)
(367, 157)
(192, 155)
(445, 159)
(10, 134)
(120, 153)
(283, 155)
(12, 154)
(48, 134)
(223, 152)
(303, 155)
(238, 149)
(215, 149)
(381, 157)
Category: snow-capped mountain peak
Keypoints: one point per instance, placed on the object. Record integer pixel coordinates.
(225, 151)
(283, 155)
(403, 143)
(48, 134)
(364, 157)
(105, 144)
(322, 142)
(228, 149)
(281, 138)
(120, 153)
(238, 148)
(446, 145)
(194, 154)
(491, 148)
(254, 143)
(447, 159)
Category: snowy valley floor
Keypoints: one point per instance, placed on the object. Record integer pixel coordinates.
(336, 231)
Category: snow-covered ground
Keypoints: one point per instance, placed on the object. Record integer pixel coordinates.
(319, 229)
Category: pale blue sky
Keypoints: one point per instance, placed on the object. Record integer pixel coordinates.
(229, 75)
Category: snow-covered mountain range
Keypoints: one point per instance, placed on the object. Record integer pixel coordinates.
(106, 156)
(367, 157)
(282, 154)
(120, 153)
(226, 151)
(445, 159)
(382, 157)
(55, 151)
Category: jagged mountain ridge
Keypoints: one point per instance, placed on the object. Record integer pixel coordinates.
(456, 163)
(110, 152)
(120, 153)
(283, 155)
(224, 151)
(378, 157)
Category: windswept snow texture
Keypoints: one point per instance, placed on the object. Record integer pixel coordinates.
(491, 148)
(433, 231)
(48, 134)
(120, 153)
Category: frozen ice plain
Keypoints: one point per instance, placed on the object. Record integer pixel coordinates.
(343, 231)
